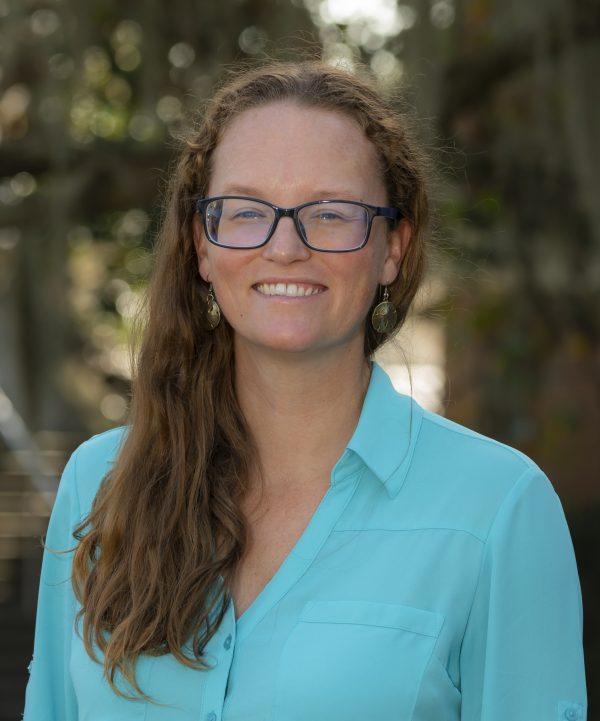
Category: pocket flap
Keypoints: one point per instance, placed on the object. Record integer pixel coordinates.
(374, 613)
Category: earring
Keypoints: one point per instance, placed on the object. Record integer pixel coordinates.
(213, 312)
(384, 315)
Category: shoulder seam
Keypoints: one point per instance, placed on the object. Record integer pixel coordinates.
(517, 488)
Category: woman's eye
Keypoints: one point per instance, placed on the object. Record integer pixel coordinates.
(247, 215)
(327, 215)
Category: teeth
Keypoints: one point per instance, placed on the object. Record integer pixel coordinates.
(288, 289)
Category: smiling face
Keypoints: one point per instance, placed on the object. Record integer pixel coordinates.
(284, 296)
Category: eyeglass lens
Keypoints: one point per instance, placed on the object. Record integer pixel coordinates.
(243, 223)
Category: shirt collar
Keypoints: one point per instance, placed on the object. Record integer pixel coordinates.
(386, 433)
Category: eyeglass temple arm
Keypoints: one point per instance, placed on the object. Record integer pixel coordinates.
(393, 213)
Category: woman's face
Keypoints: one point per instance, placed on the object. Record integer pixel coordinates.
(289, 154)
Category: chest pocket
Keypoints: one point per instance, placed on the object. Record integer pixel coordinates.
(347, 660)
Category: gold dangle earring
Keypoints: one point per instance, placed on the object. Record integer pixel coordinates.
(384, 314)
(213, 312)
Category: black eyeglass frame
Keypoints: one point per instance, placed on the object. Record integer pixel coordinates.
(373, 211)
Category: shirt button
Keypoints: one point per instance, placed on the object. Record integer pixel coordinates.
(227, 642)
(571, 714)
(212, 716)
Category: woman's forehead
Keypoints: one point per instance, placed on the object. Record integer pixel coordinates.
(290, 114)
(286, 142)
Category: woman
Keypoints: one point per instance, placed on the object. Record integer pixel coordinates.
(279, 534)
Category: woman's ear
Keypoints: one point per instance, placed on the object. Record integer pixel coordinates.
(201, 248)
(397, 244)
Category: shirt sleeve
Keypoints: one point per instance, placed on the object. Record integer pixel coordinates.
(50, 695)
(522, 652)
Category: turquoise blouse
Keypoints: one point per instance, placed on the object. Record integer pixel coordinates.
(436, 581)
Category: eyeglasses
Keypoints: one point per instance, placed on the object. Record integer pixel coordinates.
(331, 226)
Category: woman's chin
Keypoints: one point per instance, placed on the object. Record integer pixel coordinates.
(300, 342)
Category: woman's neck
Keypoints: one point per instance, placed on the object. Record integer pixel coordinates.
(301, 410)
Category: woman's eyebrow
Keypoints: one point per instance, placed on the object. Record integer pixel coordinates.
(240, 190)
(340, 193)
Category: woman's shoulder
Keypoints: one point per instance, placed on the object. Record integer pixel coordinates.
(102, 446)
(458, 443)
(471, 477)
(447, 468)
(92, 460)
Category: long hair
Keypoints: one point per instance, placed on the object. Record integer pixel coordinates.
(156, 554)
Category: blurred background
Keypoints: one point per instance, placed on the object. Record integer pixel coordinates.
(505, 335)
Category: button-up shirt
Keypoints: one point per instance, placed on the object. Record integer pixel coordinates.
(435, 581)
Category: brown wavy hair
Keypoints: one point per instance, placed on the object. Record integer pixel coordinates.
(157, 552)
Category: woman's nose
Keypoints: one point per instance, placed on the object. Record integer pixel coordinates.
(285, 245)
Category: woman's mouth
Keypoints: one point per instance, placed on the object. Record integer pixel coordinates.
(290, 290)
